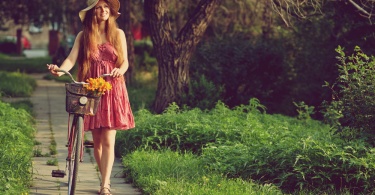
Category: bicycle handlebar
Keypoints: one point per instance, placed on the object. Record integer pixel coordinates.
(71, 77)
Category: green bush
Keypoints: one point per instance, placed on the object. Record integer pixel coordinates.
(8, 47)
(25, 65)
(16, 84)
(352, 111)
(298, 164)
(244, 142)
(17, 143)
(202, 94)
(142, 46)
(167, 172)
(244, 69)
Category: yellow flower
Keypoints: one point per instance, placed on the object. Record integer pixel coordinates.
(97, 86)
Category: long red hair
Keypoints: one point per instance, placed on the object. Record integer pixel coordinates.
(89, 40)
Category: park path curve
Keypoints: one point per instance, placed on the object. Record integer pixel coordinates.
(51, 124)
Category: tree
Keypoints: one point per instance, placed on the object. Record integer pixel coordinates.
(306, 8)
(125, 23)
(25, 12)
(173, 53)
(21, 12)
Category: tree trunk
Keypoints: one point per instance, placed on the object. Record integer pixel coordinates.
(19, 45)
(173, 54)
(54, 42)
(125, 23)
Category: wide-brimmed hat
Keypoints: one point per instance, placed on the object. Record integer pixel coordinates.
(114, 4)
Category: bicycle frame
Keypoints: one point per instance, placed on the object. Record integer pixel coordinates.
(76, 130)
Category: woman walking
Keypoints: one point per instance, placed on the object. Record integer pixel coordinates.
(101, 48)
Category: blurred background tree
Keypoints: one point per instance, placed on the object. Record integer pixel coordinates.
(262, 49)
(174, 47)
(279, 51)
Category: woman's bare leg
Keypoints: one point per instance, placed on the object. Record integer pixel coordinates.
(96, 135)
(107, 155)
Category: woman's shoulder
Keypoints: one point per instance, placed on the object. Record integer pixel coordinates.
(120, 31)
(79, 34)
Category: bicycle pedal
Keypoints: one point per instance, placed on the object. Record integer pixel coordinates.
(58, 173)
(89, 146)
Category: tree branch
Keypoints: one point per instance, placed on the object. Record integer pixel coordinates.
(198, 22)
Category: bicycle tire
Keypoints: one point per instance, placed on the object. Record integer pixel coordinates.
(75, 155)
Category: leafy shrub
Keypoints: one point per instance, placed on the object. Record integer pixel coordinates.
(167, 172)
(25, 65)
(184, 129)
(142, 46)
(352, 110)
(16, 84)
(298, 164)
(16, 138)
(245, 69)
(26, 105)
(203, 94)
(247, 143)
(8, 47)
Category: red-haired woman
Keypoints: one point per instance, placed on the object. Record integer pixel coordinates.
(101, 48)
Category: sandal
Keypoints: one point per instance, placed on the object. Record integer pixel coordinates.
(105, 191)
(101, 188)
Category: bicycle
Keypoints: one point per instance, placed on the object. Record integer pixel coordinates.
(78, 103)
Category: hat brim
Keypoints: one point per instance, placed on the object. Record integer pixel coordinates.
(114, 3)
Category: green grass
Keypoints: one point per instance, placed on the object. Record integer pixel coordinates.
(296, 155)
(26, 105)
(52, 162)
(16, 138)
(25, 65)
(16, 84)
(168, 172)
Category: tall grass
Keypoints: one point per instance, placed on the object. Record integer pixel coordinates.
(16, 138)
(295, 155)
(25, 65)
(168, 172)
(16, 84)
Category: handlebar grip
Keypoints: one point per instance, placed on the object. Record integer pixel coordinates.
(105, 75)
(61, 70)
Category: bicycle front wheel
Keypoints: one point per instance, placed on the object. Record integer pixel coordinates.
(75, 154)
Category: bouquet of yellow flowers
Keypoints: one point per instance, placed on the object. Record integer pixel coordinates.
(97, 86)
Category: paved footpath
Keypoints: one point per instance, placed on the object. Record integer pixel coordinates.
(51, 124)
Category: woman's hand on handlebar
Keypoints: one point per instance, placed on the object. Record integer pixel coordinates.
(117, 72)
(53, 69)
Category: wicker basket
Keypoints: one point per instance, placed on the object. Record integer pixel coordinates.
(73, 93)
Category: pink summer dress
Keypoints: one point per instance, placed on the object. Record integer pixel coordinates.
(114, 111)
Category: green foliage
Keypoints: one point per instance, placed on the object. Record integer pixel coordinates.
(240, 69)
(24, 104)
(25, 65)
(63, 78)
(17, 133)
(141, 46)
(144, 55)
(52, 162)
(182, 129)
(8, 47)
(203, 94)
(304, 111)
(298, 163)
(142, 91)
(246, 143)
(352, 110)
(167, 172)
(16, 84)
